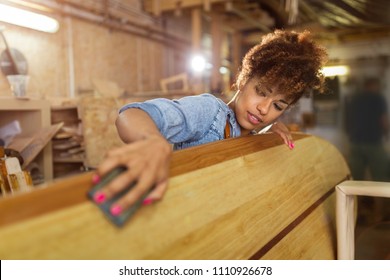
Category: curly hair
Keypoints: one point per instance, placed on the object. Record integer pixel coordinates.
(288, 59)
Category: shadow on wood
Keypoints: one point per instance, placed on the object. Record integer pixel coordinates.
(242, 198)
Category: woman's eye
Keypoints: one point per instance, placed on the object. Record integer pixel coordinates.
(278, 107)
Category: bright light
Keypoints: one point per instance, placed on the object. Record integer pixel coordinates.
(28, 19)
(198, 63)
(330, 71)
(223, 70)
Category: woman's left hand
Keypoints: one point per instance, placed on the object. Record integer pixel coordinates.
(283, 131)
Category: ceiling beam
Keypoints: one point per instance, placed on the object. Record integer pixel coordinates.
(157, 7)
(248, 18)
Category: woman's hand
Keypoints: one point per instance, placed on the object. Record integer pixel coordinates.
(147, 163)
(283, 131)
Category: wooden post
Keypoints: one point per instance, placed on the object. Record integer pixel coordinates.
(197, 84)
(196, 29)
(207, 5)
(156, 8)
(345, 225)
(216, 34)
(236, 52)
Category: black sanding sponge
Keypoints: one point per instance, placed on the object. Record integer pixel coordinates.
(106, 205)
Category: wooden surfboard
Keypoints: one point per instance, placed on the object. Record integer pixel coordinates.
(243, 198)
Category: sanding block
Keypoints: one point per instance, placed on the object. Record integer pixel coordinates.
(106, 205)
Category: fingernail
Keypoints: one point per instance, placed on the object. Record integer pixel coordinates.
(99, 197)
(116, 210)
(292, 146)
(95, 179)
(147, 201)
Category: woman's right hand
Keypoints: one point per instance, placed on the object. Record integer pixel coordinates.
(282, 130)
(147, 162)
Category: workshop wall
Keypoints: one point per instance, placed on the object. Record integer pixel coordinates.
(66, 63)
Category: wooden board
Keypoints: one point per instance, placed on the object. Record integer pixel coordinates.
(19, 143)
(38, 142)
(97, 115)
(243, 198)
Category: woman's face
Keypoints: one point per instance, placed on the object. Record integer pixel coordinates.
(258, 105)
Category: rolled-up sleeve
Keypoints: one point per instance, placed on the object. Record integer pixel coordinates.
(188, 118)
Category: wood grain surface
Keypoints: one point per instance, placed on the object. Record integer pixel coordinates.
(243, 198)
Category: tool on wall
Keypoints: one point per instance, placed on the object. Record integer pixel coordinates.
(12, 61)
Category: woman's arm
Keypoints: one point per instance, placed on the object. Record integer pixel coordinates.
(135, 124)
(146, 155)
(148, 129)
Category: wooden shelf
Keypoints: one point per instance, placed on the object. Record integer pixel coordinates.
(66, 161)
(32, 115)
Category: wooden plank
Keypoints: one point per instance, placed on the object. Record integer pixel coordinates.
(19, 143)
(314, 229)
(227, 209)
(213, 153)
(39, 140)
(183, 161)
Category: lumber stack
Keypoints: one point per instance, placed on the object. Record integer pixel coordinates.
(242, 198)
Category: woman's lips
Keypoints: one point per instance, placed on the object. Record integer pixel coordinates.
(253, 119)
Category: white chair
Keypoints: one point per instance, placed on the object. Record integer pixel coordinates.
(346, 193)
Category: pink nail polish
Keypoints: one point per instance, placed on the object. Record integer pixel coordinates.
(147, 201)
(116, 210)
(292, 145)
(95, 179)
(99, 197)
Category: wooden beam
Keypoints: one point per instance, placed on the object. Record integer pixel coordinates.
(196, 25)
(237, 24)
(171, 5)
(252, 38)
(236, 52)
(248, 18)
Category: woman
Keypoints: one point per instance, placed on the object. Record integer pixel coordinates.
(274, 75)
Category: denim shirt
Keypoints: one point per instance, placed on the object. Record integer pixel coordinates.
(191, 120)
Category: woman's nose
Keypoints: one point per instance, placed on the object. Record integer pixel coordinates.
(264, 105)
